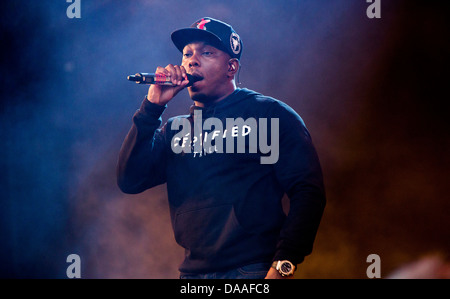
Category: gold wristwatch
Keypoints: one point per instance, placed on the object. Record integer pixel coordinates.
(285, 268)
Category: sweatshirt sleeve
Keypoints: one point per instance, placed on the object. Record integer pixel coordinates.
(299, 171)
(142, 157)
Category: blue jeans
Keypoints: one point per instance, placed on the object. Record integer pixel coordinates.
(252, 271)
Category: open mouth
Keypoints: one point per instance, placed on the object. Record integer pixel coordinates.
(197, 76)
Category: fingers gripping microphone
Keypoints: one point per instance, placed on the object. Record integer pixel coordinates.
(160, 79)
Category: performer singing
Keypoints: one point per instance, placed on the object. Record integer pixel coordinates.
(225, 204)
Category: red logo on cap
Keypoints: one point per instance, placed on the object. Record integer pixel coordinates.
(202, 23)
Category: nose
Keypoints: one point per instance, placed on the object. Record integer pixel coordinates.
(194, 61)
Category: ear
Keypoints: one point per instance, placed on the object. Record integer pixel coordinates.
(233, 67)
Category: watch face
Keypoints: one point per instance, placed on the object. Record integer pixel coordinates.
(286, 267)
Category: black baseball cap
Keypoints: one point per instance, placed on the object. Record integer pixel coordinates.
(216, 33)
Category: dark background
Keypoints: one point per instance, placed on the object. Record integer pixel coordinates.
(372, 92)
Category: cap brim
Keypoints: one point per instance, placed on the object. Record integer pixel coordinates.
(185, 36)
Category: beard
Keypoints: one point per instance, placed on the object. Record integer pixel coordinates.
(205, 94)
(201, 97)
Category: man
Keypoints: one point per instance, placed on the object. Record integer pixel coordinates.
(224, 182)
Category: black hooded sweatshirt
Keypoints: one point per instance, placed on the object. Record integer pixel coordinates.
(225, 207)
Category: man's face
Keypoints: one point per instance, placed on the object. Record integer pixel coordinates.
(210, 63)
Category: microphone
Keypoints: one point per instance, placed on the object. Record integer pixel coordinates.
(160, 79)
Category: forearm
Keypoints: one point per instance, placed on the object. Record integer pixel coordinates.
(307, 203)
(141, 151)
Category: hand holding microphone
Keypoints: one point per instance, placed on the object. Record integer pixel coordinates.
(166, 83)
